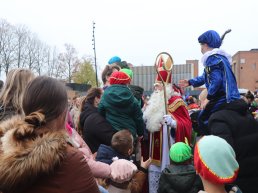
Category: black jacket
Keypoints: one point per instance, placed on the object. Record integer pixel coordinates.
(238, 127)
(96, 130)
(107, 153)
(179, 179)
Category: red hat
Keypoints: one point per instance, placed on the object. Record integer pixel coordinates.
(166, 76)
(119, 77)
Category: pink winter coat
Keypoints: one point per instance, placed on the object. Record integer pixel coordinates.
(99, 169)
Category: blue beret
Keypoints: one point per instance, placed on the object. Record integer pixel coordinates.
(211, 38)
(114, 59)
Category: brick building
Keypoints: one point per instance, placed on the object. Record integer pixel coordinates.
(245, 68)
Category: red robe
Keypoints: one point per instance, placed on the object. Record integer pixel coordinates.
(178, 110)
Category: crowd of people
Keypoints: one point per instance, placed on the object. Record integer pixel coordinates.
(117, 140)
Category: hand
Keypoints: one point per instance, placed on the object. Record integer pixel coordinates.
(140, 138)
(122, 170)
(183, 83)
(146, 164)
(94, 155)
(204, 103)
(169, 121)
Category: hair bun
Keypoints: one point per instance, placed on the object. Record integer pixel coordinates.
(36, 119)
(23, 132)
(33, 120)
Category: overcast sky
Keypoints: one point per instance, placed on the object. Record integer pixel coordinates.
(137, 30)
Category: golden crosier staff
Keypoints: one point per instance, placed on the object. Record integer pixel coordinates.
(167, 65)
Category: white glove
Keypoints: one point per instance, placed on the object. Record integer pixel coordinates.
(169, 121)
(233, 190)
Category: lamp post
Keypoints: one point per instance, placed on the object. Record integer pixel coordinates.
(95, 57)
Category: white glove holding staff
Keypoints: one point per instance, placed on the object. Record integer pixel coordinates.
(170, 121)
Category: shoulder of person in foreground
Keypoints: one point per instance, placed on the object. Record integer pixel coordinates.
(78, 172)
(72, 175)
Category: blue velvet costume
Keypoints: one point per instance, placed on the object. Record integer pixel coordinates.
(217, 77)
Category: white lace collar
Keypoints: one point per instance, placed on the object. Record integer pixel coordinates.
(213, 52)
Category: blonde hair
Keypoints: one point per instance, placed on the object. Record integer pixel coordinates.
(14, 87)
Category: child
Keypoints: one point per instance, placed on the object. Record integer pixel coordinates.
(218, 77)
(120, 107)
(108, 70)
(122, 148)
(215, 162)
(180, 176)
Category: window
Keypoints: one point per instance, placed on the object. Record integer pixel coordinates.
(242, 61)
(254, 66)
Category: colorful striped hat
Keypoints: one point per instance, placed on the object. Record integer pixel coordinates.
(214, 160)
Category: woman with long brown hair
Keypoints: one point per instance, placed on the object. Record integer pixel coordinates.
(36, 155)
(96, 130)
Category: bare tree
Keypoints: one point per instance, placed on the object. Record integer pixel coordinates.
(54, 67)
(8, 45)
(1, 42)
(60, 70)
(69, 59)
(31, 51)
(41, 57)
(50, 60)
(22, 34)
(20, 48)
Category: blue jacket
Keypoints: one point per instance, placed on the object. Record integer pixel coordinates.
(218, 79)
(106, 153)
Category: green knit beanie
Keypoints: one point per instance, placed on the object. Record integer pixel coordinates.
(180, 152)
(129, 72)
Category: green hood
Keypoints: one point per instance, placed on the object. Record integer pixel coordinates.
(118, 95)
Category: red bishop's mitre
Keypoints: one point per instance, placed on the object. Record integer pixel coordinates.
(165, 75)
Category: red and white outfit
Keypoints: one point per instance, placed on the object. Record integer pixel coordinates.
(153, 115)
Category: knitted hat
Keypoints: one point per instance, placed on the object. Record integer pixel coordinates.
(129, 72)
(124, 168)
(119, 77)
(114, 60)
(214, 160)
(211, 38)
(180, 152)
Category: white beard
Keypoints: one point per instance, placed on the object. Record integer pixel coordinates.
(155, 109)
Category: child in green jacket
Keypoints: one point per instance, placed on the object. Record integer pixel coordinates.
(119, 105)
